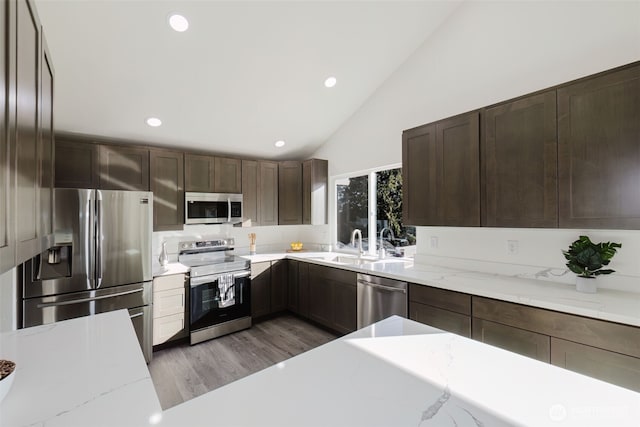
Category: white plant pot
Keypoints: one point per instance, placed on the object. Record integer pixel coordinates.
(586, 284)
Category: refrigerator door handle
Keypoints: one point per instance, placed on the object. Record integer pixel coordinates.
(81, 300)
(99, 238)
(89, 245)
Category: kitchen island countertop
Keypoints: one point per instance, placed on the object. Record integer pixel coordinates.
(87, 372)
(90, 372)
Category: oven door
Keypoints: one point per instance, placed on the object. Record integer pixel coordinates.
(212, 302)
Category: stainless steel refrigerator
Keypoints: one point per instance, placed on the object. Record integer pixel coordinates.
(100, 261)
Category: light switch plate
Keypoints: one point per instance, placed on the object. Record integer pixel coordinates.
(433, 242)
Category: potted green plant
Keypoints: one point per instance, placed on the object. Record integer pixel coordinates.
(587, 260)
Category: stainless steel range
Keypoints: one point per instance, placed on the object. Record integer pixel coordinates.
(220, 288)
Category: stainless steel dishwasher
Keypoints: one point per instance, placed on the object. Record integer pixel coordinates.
(379, 298)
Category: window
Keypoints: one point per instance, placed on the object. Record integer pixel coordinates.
(371, 202)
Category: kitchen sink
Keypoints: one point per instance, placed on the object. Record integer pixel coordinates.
(363, 260)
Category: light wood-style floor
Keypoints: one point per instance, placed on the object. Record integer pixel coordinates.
(183, 372)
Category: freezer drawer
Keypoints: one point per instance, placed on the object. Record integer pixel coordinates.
(136, 298)
(45, 310)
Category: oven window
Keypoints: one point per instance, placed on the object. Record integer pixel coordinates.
(206, 309)
(207, 210)
(209, 299)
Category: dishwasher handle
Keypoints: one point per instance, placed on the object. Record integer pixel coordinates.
(383, 287)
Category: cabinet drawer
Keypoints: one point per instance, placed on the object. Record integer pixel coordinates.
(442, 319)
(441, 298)
(623, 339)
(168, 302)
(164, 283)
(594, 362)
(526, 343)
(330, 273)
(167, 327)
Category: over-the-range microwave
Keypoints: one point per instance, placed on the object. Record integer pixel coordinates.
(212, 208)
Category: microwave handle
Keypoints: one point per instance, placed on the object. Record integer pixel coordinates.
(228, 209)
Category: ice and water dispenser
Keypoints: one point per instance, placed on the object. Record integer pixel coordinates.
(55, 262)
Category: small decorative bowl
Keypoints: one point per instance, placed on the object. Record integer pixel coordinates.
(7, 376)
(296, 246)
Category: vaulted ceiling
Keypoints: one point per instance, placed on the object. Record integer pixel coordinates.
(244, 74)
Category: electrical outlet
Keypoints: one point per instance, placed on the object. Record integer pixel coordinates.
(512, 247)
(433, 242)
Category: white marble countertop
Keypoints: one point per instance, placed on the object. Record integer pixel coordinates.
(87, 371)
(90, 372)
(402, 373)
(606, 304)
(170, 269)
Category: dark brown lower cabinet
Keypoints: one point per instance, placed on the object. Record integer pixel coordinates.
(320, 299)
(597, 363)
(601, 349)
(269, 290)
(442, 319)
(333, 298)
(293, 297)
(260, 289)
(526, 343)
(345, 296)
(303, 289)
(440, 308)
(279, 291)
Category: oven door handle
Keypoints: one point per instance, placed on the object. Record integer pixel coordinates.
(197, 281)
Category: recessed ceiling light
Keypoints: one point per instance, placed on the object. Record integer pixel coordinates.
(178, 23)
(330, 82)
(154, 122)
(279, 144)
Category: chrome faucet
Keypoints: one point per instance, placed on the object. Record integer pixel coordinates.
(353, 240)
(381, 251)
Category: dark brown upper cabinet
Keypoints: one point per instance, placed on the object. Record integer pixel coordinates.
(419, 171)
(441, 172)
(27, 145)
(227, 175)
(7, 239)
(167, 184)
(199, 173)
(599, 151)
(46, 142)
(519, 163)
(260, 192)
(289, 193)
(124, 168)
(76, 164)
(267, 192)
(250, 190)
(458, 138)
(315, 187)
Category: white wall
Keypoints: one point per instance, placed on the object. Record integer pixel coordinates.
(487, 52)
(484, 53)
(8, 298)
